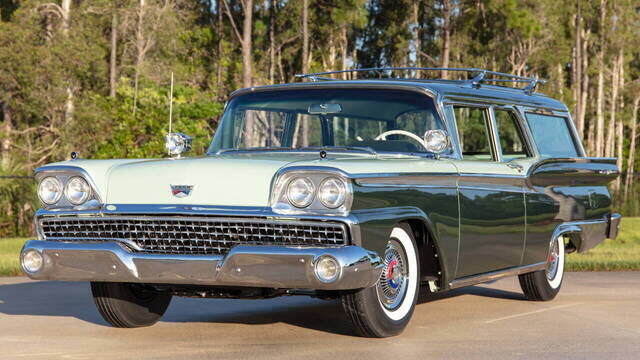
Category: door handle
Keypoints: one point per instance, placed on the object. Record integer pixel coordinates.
(517, 167)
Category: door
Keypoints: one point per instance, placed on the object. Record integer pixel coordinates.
(490, 189)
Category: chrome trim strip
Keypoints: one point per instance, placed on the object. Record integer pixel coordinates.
(254, 266)
(409, 180)
(495, 275)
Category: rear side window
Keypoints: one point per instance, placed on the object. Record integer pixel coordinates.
(511, 139)
(552, 135)
(473, 128)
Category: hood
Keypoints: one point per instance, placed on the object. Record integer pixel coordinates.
(233, 179)
(215, 180)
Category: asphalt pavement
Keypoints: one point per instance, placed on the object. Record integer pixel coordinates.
(595, 316)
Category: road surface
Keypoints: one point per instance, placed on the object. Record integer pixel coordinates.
(595, 316)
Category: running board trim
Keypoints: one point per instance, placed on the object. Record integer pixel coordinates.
(495, 275)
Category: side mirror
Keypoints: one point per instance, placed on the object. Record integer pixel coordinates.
(177, 143)
(436, 141)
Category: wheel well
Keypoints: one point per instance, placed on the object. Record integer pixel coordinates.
(430, 268)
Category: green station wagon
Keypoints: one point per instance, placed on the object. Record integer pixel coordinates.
(365, 191)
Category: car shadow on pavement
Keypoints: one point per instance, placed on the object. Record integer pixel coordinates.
(73, 299)
(473, 291)
(48, 298)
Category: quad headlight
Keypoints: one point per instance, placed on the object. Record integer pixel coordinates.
(332, 192)
(50, 190)
(61, 189)
(300, 192)
(310, 191)
(77, 190)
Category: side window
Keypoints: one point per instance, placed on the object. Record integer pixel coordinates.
(552, 135)
(511, 139)
(473, 129)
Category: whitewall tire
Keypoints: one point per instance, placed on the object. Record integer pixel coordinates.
(545, 284)
(386, 308)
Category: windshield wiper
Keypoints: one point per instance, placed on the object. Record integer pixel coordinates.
(263, 148)
(333, 148)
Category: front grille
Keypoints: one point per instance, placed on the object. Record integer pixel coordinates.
(191, 235)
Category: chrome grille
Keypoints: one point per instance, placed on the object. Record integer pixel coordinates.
(192, 235)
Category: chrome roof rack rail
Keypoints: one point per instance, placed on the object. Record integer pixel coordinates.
(479, 76)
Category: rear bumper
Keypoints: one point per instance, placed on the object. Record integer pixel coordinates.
(587, 234)
(251, 266)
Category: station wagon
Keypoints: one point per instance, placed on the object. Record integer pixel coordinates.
(369, 191)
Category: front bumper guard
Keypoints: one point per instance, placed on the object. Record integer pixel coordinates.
(251, 266)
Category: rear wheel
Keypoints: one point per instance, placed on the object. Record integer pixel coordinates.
(126, 305)
(386, 308)
(545, 284)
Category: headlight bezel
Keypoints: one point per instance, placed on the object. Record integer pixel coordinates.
(64, 174)
(280, 203)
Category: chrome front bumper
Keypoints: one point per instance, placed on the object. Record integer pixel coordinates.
(252, 266)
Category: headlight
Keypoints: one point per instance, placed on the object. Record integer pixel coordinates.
(50, 190)
(77, 190)
(300, 192)
(332, 192)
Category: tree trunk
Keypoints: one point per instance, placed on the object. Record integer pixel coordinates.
(305, 37)
(69, 107)
(584, 82)
(600, 95)
(66, 11)
(220, 50)
(577, 71)
(632, 148)
(446, 34)
(415, 22)
(619, 151)
(343, 50)
(113, 66)
(7, 127)
(272, 41)
(247, 26)
(610, 143)
(139, 54)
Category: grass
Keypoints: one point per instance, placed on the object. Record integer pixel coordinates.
(9, 253)
(622, 254)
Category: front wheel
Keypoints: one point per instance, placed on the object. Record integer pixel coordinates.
(385, 309)
(126, 305)
(544, 285)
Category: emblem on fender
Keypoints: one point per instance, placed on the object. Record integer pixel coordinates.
(181, 191)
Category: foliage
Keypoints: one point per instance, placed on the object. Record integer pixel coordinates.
(56, 66)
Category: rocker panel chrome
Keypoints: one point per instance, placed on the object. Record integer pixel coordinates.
(253, 266)
(495, 275)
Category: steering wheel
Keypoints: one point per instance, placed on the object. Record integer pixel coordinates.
(415, 137)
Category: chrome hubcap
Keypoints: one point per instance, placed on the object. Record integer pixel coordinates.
(392, 285)
(552, 262)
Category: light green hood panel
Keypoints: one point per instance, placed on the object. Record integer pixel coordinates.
(237, 179)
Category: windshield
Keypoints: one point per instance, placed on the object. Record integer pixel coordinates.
(348, 119)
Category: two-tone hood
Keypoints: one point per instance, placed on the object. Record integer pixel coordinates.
(234, 179)
(215, 180)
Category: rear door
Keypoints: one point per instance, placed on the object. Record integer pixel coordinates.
(490, 188)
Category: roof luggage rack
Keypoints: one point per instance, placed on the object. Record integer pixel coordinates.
(479, 76)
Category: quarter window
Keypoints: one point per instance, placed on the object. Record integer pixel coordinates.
(473, 130)
(511, 139)
(552, 135)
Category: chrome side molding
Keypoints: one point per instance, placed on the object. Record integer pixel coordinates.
(495, 275)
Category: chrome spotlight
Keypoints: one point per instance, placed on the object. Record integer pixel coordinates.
(177, 143)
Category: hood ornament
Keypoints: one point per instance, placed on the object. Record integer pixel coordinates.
(181, 191)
